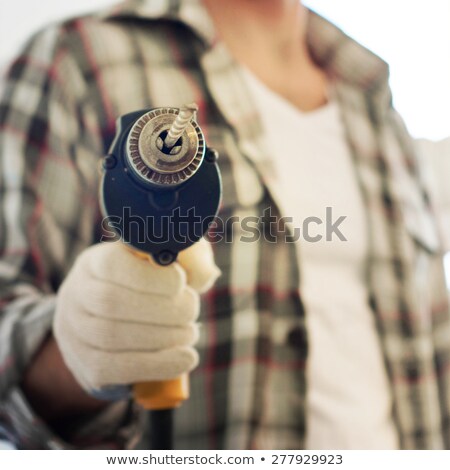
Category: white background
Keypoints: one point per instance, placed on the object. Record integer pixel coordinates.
(413, 36)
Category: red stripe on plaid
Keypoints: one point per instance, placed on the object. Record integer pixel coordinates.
(420, 378)
(209, 366)
(7, 364)
(34, 243)
(45, 154)
(107, 104)
(265, 361)
(49, 70)
(35, 251)
(14, 252)
(261, 288)
(44, 151)
(209, 369)
(88, 199)
(46, 69)
(435, 309)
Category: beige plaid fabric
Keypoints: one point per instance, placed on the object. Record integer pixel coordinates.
(57, 113)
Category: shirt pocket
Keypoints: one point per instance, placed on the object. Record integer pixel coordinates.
(424, 251)
(421, 226)
(418, 217)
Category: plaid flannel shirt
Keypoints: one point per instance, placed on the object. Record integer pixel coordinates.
(58, 108)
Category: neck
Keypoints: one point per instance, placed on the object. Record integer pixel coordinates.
(269, 38)
(278, 26)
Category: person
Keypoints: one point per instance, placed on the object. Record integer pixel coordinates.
(335, 338)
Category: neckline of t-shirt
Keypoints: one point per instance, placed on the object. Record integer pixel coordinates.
(328, 109)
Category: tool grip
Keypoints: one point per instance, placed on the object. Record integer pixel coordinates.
(164, 394)
(161, 395)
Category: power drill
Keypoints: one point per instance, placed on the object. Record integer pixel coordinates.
(160, 191)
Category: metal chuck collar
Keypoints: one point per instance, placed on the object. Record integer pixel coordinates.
(166, 146)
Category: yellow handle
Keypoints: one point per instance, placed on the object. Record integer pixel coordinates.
(165, 394)
(162, 395)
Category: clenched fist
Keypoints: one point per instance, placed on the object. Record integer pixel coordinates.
(121, 319)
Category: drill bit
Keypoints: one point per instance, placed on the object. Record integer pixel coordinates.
(179, 125)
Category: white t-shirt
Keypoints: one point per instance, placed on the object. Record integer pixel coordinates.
(349, 403)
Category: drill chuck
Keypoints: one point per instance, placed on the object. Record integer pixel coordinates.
(152, 160)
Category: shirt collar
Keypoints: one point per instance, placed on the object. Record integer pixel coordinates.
(341, 56)
(191, 13)
(344, 58)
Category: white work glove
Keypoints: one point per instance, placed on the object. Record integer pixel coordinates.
(121, 319)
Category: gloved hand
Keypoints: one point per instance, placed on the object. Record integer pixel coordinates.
(121, 319)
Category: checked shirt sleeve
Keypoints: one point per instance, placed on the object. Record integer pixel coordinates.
(50, 145)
